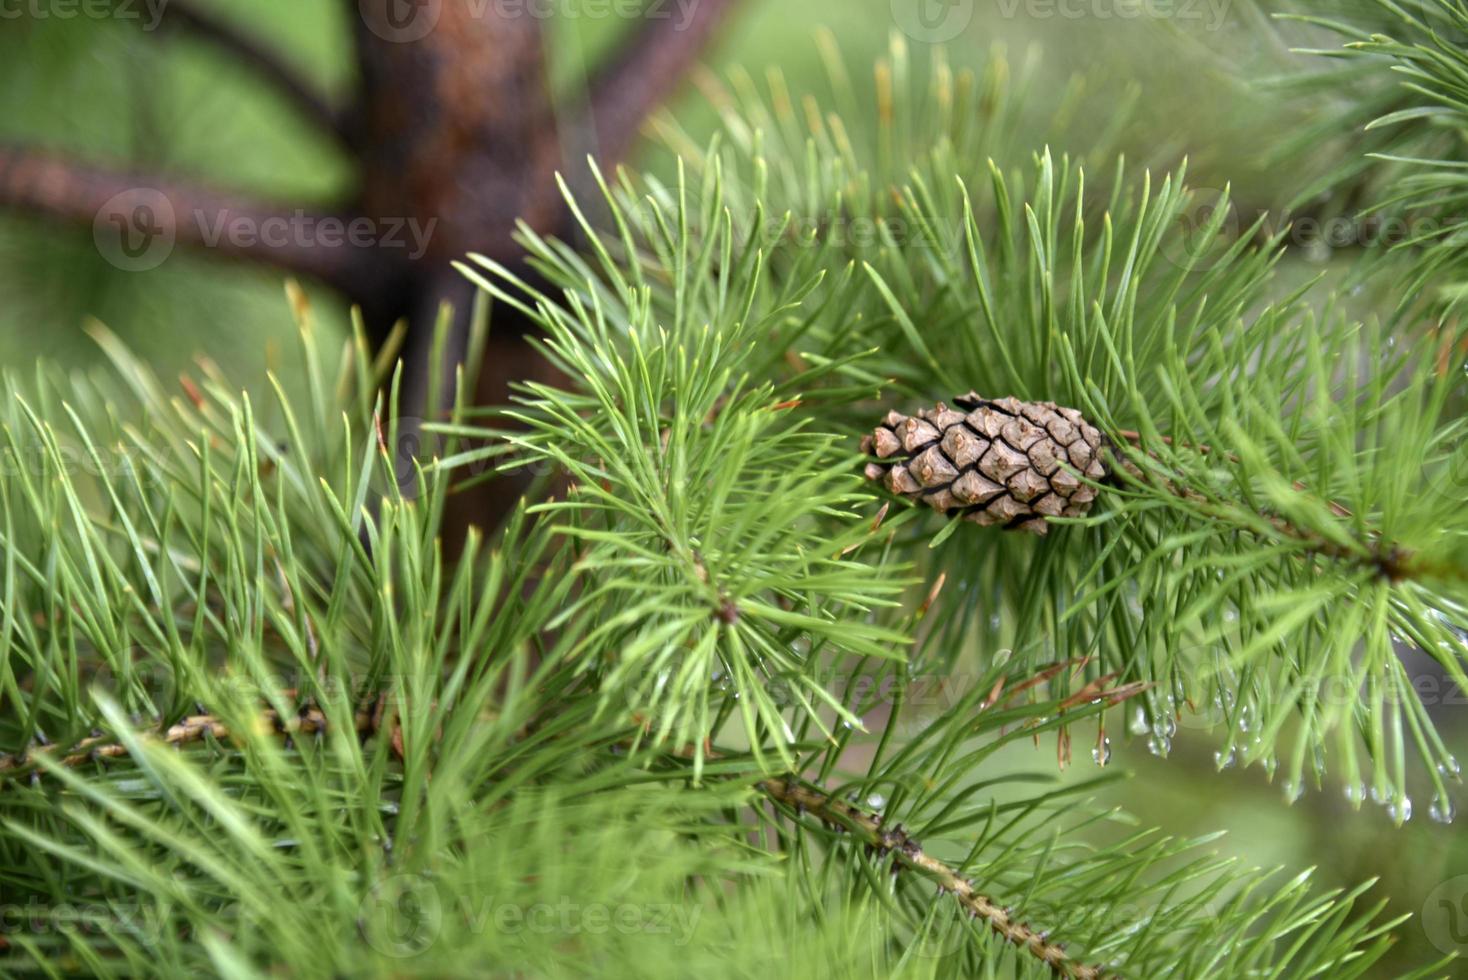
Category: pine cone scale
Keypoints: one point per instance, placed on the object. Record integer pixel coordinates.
(999, 462)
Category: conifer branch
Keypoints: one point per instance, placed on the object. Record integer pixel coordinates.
(146, 206)
(908, 853)
(309, 720)
(646, 70)
(1389, 560)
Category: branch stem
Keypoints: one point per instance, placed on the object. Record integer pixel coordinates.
(1391, 561)
(194, 728)
(647, 69)
(909, 854)
(865, 826)
(139, 210)
(188, 18)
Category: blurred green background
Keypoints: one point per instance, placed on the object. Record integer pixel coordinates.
(102, 90)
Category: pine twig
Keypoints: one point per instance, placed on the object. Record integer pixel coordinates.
(866, 826)
(1391, 561)
(910, 854)
(646, 70)
(194, 728)
(57, 187)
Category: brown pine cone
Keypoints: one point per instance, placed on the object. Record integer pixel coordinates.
(995, 462)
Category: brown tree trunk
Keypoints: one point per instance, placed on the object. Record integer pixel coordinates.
(453, 129)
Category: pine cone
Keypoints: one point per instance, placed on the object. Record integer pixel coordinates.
(999, 464)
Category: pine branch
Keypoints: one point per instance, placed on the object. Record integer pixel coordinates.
(148, 207)
(909, 854)
(495, 724)
(309, 720)
(1389, 560)
(802, 799)
(645, 72)
(187, 18)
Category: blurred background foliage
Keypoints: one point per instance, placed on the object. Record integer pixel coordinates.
(103, 90)
(1189, 87)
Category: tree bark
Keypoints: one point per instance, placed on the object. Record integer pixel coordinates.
(454, 131)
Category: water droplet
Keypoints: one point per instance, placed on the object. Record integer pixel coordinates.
(1271, 763)
(1449, 767)
(1101, 754)
(1355, 794)
(876, 801)
(1379, 793)
(1159, 745)
(1139, 722)
(1443, 810)
(1292, 791)
(995, 621)
(1400, 810)
(1225, 759)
